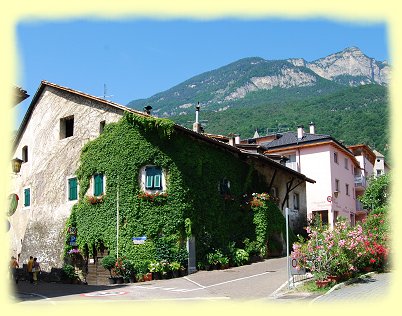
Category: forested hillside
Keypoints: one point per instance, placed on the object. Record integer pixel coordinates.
(354, 115)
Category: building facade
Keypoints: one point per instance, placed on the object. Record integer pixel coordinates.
(322, 158)
(58, 124)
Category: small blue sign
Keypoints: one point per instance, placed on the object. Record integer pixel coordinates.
(139, 240)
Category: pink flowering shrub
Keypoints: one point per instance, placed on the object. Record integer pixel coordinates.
(343, 249)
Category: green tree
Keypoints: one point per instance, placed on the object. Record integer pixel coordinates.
(376, 195)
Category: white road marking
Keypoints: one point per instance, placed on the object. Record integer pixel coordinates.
(201, 286)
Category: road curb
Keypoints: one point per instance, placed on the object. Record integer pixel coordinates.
(343, 284)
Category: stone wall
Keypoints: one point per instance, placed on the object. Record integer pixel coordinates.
(38, 230)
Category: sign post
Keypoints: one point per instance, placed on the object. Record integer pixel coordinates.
(287, 244)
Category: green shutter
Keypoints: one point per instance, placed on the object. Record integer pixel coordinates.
(98, 186)
(27, 197)
(153, 178)
(157, 181)
(72, 189)
(149, 181)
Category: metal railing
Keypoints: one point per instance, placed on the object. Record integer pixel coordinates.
(360, 181)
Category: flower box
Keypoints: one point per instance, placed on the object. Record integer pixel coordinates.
(322, 283)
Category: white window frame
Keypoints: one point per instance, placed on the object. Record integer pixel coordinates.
(91, 188)
(142, 179)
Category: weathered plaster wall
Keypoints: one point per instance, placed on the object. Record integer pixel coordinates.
(38, 230)
(297, 219)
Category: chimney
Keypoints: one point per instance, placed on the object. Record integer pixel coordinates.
(312, 128)
(197, 126)
(300, 132)
(232, 139)
(148, 109)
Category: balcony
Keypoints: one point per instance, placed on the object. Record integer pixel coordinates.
(360, 182)
(359, 206)
(292, 165)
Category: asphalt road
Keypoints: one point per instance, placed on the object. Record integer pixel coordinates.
(255, 281)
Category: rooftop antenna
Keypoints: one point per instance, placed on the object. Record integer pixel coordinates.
(105, 92)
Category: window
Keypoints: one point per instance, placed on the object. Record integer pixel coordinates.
(27, 197)
(224, 186)
(72, 189)
(346, 164)
(291, 162)
(336, 157)
(102, 126)
(336, 185)
(335, 216)
(274, 195)
(66, 127)
(378, 172)
(25, 154)
(347, 189)
(321, 217)
(98, 184)
(296, 201)
(153, 178)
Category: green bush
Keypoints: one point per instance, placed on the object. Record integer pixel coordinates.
(68, 272)
(241, 257)
(108, 263)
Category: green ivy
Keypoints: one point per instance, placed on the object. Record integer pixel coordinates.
(269, 220)
(192, 205)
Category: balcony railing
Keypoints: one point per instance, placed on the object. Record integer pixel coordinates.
(360, 181)
(359, 206)
(292, 165)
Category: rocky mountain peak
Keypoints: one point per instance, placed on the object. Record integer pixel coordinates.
(352, 67)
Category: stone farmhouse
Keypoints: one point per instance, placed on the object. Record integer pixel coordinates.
(58, 124)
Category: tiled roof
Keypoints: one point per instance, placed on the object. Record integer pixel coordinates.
(290, 138)
(200, 136)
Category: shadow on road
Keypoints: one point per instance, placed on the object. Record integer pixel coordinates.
(25, 290)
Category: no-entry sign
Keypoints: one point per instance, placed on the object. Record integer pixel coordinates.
(293, 267)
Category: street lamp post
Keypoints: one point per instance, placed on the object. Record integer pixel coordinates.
(16, 165)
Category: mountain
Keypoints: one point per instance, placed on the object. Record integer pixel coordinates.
(255, 81)
(349, 67)
(345, 94)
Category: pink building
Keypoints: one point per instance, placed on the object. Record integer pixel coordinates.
(333, 166)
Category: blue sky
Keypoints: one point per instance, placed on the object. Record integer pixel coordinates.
(140, 57)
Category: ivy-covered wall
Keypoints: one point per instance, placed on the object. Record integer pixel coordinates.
(194, 169)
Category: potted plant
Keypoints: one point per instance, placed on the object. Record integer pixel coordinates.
(143, 273)
(175, 268)
(92, 199)
(108, 263)
(166, 272)
(224, 262)
(128, 271)
(155, 268)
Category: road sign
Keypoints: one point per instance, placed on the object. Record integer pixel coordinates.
(329, 199)
(139, 240)
(293, 268)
